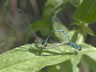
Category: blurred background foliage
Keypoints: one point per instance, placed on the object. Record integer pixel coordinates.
(22, 21)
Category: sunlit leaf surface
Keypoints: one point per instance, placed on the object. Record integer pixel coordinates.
(28, 58)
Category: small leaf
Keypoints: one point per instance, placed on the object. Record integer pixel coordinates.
(77, 36)
(92, 55)
(58, 26)
(88, 30)
(74, 37)
(51, 6)
(86, 11)
(76, 3)
(42, 26)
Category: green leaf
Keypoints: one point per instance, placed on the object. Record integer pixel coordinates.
(62, 67)
(90, 61)
(92, 55)
(88, 30)
(51, 6)
(58, 26)
(42, 26)
(54, 68)
(76, 36)
(27, 58)
(86, 11)
(75, 3)
(75, 61)
(66, 67)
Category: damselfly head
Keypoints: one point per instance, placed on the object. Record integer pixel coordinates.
(79, 48)
(45, 44)
(74, 45)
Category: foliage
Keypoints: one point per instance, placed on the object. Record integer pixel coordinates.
(29, 58)
(86, 11)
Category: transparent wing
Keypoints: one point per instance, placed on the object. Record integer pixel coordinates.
(58, 26)
(28, 31)
(56, 45)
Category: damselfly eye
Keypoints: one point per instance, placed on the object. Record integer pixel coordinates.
(80, 48)
(45, 45)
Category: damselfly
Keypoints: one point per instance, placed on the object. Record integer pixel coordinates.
(74, 45)
(58, 28)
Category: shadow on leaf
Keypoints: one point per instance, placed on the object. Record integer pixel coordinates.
(43, 52)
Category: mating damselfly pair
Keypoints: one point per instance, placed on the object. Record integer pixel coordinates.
(39, 43)
(67, 40)
(73, 44)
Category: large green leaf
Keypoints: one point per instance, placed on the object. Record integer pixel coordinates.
(86, 11)
(27, 59)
